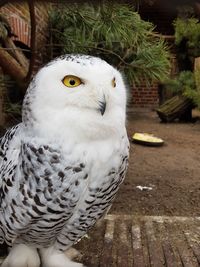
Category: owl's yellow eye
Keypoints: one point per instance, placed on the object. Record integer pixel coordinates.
(113, 82)
(71, 81)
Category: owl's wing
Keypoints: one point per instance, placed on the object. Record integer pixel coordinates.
(48, 190)
(8, 162)
(8, 155)
(5, 145)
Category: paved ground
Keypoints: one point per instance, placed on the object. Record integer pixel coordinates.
(134, 241)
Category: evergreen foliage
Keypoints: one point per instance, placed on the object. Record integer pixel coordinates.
(114, 32)
(12, 97)
(187, 38)
(189, 30)
(185, 84)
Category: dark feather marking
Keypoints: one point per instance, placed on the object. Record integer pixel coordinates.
(47, 172)
(33, 149)
(34, 208)
(77, 183)
(68, 168)
(37, 201)
(85, 177)
(39, 160)
(54, 159)
(82, 165)
(9, 183)
(40, 150)
(54, 211)
(77, 169)
(29, 193)
(5, 189)
(89, 202)
(61, 174)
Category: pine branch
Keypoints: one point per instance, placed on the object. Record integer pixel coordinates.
(114, 32)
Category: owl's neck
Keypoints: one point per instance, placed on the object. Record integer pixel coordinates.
(74, 125)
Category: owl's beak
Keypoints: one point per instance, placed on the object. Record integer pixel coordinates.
(102, 107)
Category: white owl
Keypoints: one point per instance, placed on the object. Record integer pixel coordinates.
(62, 166)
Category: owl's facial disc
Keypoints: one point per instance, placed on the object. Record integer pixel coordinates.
(78, 89)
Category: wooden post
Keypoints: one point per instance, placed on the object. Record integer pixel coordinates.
(2, 100)
(197, 73)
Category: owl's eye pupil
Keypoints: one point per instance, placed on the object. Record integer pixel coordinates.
(72, 82)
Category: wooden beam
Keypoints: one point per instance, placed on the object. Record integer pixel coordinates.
(11, 67)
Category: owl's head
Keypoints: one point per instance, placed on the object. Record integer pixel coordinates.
(74, 89)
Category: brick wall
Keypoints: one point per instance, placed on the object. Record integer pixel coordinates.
(153, 95)
(145, 96)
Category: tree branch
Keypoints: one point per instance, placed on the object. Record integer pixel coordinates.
(167, 37)
(122, 60)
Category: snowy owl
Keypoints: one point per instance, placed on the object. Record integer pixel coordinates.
(62, 166)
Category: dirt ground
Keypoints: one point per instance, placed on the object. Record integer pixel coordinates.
(172, 171)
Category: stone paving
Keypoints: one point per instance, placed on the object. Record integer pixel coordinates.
(143, 241)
